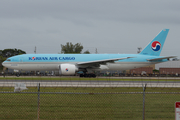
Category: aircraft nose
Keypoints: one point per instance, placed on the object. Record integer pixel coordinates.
(4, 64)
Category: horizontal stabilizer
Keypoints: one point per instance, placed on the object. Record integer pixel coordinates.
(161, 58)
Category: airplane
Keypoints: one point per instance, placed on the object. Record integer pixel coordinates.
(69, 64)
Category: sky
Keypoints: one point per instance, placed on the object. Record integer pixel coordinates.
(111, 26)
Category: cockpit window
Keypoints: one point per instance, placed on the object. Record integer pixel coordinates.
(8, 60)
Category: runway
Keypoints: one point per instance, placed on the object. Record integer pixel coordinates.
(90, 83)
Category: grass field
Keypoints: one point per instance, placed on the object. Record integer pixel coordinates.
(89, 103)
(92, 89)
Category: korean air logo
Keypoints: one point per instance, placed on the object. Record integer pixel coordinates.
(66, 69)
(156, 46)
(33, 58)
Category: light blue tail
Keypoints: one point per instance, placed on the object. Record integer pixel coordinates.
(155, 46)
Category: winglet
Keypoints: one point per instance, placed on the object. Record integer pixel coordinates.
(155, 46)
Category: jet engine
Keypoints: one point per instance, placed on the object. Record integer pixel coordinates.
(67, 69)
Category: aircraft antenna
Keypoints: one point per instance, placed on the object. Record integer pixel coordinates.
(96, 51)
(35, 50)
(139, 49)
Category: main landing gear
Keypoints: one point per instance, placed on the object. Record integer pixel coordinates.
(87, 75)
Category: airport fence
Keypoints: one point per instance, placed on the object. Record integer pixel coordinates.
(94, 104)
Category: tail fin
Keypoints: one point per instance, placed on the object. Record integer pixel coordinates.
(155, 46)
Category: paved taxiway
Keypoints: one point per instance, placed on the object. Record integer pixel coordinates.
(90, 83)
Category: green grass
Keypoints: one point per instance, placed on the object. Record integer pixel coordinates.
(92, 89)
(105, 90)
(117, 104)
(87, 103)
(87, 106)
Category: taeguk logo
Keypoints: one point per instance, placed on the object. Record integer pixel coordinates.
(33, 58)
(66, 69)
(156, 46)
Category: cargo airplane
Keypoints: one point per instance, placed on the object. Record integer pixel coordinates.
(69, 64)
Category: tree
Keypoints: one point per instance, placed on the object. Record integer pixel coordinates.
(87, 52)
(12, 52)
(4, 54)
(2, 59)
(70, 48)
(0, 52)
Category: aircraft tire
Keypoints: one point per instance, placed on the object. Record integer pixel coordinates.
(87, 75)
(94, 76)
(17, 75)
(81, 75)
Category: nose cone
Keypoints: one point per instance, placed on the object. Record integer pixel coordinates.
(4, 64)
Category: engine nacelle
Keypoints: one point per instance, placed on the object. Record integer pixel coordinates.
(67, 69)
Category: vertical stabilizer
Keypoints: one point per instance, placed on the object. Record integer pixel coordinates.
(155, 46)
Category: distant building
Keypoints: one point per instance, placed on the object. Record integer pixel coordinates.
(169, 64)
(147, 68)
(170, 71)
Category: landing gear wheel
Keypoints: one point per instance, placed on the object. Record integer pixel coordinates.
(87, 75)
(17, 75)
(81, 75)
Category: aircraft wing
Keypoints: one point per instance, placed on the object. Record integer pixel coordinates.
(155, 59)
(102, 61)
